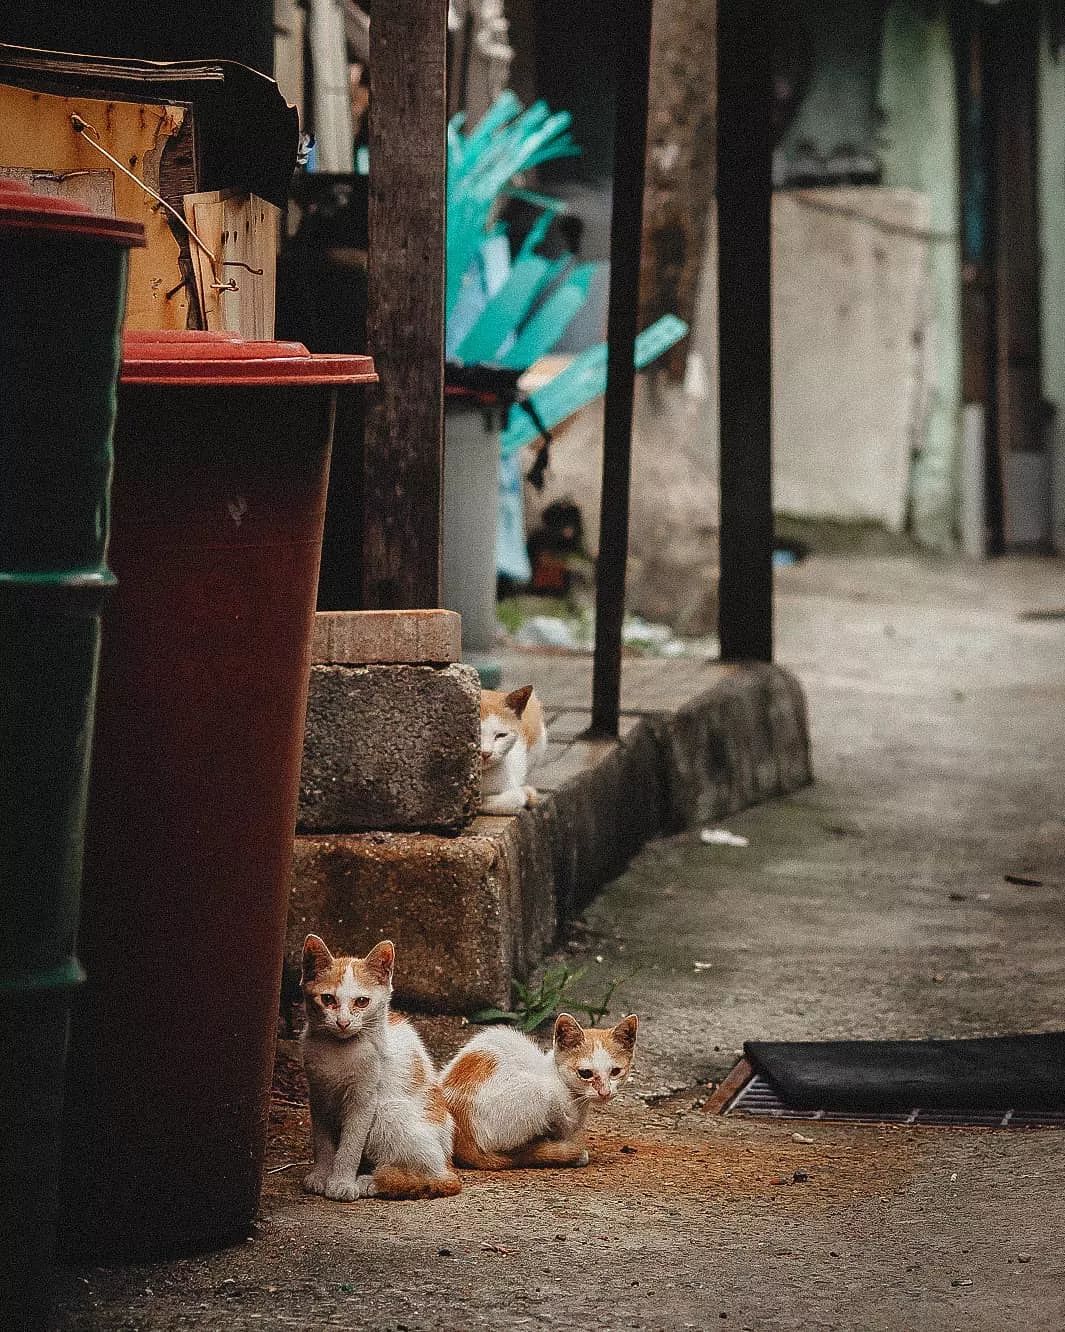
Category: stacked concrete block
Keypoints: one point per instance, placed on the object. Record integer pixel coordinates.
(392, 725)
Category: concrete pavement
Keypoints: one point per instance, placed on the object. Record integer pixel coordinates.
(873, 903)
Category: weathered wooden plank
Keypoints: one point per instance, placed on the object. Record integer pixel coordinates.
(403, 449)
(679, 193)
(36, 133)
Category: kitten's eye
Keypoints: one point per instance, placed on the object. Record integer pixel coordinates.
(615, 1072)
(328, 999)
(584, 1073)
(362, 1001)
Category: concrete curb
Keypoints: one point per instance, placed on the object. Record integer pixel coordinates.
(469, 914)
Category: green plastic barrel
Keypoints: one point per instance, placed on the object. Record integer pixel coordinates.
(62, 295)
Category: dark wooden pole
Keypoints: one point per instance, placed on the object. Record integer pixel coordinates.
(744, 199)
(403, 450)
(626, 225)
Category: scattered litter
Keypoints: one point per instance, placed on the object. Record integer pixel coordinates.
(276, 1170)
(780, 1179)
(553, 632)
(496, 1248)
(938, 980)
(800, 1176)
(957, 1282)
(953, 1176)
(1023, 881)
(702, 966)
(983, 897)
(599, 957)
(721, 837)
(800, 1137)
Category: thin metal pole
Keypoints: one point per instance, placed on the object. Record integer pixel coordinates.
(744, 203)
(626, 225)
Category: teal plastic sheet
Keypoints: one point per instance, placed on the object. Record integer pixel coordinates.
(582, 381)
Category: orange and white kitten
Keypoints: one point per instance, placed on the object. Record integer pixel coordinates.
(378, 1118)
(517, 1105)
(513, 737)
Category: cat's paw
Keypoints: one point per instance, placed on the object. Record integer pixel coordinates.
(583, 1159)
(532, 796)
(316, 1181)
(366, 1186)
(344, 1188)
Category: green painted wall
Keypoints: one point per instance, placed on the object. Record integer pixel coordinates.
(1051, 150)
(920, 150)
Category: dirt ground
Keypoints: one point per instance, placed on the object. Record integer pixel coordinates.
(873, 903)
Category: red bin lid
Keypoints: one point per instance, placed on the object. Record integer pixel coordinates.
(23, 211)
(195, 359)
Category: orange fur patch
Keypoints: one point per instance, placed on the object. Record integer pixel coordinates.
(463, 1079)
(395, 1182)
(396, 1018)
(468, 1073)
(419, 1074)
(436, 1111)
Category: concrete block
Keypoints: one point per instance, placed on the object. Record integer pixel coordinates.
(742, 741)
(465, 913)
(364, 638)
(390, 747)
(471, 913)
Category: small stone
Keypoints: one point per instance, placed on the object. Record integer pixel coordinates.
(938, 980)
(800, 1176)
(801, 1137)
(959, 897)
(1024, 1257)
(443, 1253)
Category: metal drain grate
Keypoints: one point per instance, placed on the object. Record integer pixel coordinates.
(757, 1097)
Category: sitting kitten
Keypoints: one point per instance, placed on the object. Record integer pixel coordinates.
(375, 1099)
(517, 1105)
(513, 737)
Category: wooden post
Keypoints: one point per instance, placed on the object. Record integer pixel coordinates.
(626, 224)
(744, 203)
(403, 450)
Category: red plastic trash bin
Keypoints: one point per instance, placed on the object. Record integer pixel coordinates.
(221, 465)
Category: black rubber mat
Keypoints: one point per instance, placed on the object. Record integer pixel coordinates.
(995, 1073)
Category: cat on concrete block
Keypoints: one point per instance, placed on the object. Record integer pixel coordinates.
(378, 1119)
(516, 1105)
(513, 739)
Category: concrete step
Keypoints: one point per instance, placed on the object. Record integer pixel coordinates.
(471, 913)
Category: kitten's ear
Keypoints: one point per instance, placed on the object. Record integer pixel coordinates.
(518, 699)
(569, 1033)
(624, 1033)
(317, 959)
(380, 960)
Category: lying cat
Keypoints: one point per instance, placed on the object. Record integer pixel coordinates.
(513, 738)
(375, 1099)
(517, 1105)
